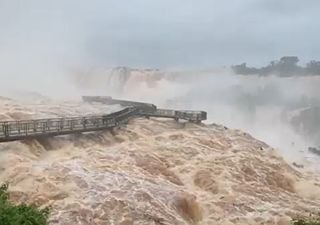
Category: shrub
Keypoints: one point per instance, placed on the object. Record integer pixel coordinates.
(311, 220)
(23, 214)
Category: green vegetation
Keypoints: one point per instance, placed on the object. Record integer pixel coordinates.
(20, 214)
(285, 67)
(311, 220)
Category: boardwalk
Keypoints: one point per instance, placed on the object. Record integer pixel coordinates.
(26, 129)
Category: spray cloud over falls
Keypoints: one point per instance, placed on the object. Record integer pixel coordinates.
(267, 107)
(41, 41)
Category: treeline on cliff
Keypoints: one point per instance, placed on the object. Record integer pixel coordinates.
(287, 66)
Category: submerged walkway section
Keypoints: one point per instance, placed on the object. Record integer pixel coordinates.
(28, 129)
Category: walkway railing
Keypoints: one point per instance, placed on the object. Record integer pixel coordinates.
(25, 129)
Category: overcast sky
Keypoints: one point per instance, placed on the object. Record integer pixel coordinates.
(162, 33)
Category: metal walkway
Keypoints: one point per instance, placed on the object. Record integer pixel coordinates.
(28, 129)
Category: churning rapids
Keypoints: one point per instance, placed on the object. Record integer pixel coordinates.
(151, 172)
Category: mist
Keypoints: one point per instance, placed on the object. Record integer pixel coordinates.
(265, 107)
(41, 40)
(262, 106)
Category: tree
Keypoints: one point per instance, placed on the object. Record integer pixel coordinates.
(289, 60)
(20, 214)
(313, 68)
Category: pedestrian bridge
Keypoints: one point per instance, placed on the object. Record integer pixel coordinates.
(29, 129)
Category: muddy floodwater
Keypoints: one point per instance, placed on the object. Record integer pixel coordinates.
(153, 171)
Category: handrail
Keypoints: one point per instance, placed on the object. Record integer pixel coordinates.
(24, 129)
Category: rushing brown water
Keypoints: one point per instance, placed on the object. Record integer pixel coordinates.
(152, 172)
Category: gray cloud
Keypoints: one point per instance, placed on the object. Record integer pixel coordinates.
(167, 33)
